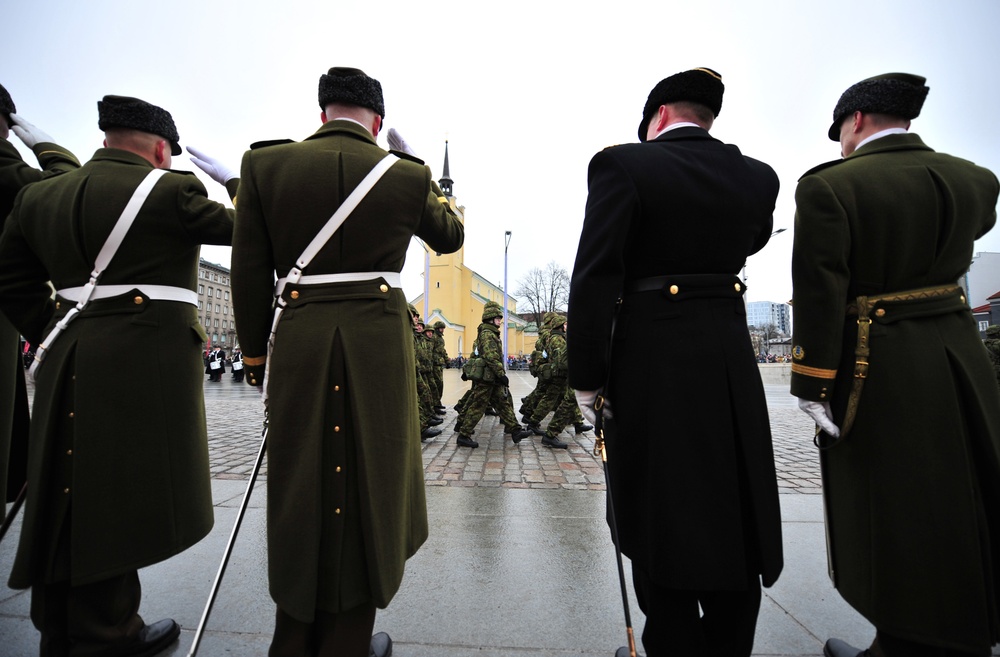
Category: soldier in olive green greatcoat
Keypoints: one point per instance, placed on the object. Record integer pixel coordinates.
(888, 361)
(15, 174)
(345, 502)
(113, 487)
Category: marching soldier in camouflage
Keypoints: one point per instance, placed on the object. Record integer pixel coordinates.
(546, 381)
(992, 344)
(440, 360)
(492, 390)
(539, 357)
(556, 396)
(428, 368)
(428, 420)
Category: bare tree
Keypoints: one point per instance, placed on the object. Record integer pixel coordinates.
(544, 290)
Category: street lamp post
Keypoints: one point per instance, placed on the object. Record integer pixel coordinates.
(506, 243)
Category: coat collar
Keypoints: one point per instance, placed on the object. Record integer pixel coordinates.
(119, 155)
(907, 142)
(887, 144)
(687, 132)
(348, 128)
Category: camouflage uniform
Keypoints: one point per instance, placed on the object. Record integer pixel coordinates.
(538, 358)
(556, 395)
(992, 344)
(484, 394)
(440, 360)
(428, 419)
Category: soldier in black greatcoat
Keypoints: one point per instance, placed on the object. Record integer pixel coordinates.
(669, 222)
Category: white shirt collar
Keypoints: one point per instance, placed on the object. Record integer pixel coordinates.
(880, 134)
(344, 118)
(674, 126)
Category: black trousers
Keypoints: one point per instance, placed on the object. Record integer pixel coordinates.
(674, 625)
(344, 634)
(79, 621)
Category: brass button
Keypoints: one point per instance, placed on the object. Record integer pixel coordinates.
(962, 298)
(737, 287)
(336, 388)
(880, 312)
(69, 452)
(674, 289)
(294, 294)
(137, 300)
(253, 381)
(58, 304)
(383, 287)
(338, 468)
(66, 490)
(72, 414)
(822, 395)
(337, 511)
(336, 429)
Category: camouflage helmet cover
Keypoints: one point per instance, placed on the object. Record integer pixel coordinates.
(492, 309)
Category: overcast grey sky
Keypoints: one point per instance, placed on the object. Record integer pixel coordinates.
(526, 92)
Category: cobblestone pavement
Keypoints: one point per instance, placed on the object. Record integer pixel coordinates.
(235, 415)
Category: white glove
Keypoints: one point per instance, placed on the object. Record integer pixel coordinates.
(397, 143)
(821, 414)
(585, 400)
(216, 170)
(28, 133)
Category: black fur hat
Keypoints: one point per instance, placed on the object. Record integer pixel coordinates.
(6, 103)
(126, 112)
(895, 94)
(351, 86)
(699, 85)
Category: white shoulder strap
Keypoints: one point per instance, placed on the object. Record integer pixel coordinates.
(324, 235)
(338, 218)
(105, 255)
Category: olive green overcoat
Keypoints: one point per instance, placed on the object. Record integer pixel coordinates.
(913, 490)
(357, 338)
(118, 425)
(15, 174)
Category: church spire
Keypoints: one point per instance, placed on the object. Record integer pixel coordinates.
(446, 181)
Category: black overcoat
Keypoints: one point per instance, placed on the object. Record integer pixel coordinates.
(692, 471)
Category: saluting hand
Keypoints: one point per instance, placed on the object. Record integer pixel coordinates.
(397, 143)
(216, 170)
(28, 133)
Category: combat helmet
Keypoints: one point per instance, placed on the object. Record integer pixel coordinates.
(439, 324)
(492, 309)
(554, 321)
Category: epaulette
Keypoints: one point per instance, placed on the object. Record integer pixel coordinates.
(406, 156)
(820, 167)
(273, 142)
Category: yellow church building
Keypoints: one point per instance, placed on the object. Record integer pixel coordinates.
(456, 295)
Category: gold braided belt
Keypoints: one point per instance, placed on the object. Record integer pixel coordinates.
(863, 309)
